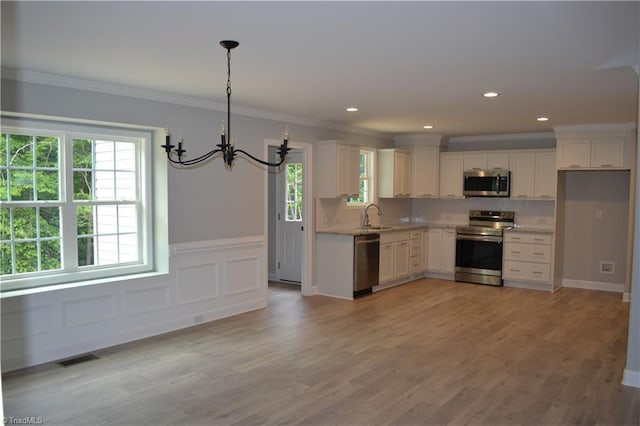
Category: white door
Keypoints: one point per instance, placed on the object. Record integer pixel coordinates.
(289, 218)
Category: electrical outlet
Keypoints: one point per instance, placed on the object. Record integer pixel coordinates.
(607, 267)
(598, 214)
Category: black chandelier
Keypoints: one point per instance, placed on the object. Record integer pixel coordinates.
(227, 145)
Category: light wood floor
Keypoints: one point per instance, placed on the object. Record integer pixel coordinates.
(427, 353)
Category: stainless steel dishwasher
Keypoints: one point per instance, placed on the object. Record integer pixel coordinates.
(366, 258)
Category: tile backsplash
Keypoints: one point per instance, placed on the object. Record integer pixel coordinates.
(333, 213)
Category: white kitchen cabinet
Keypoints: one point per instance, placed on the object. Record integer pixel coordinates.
(415, 253)
(434, 250)
(401, 255)
(394, 173)
(425, 249)
(523, 171)
(545, 175)
(594, 153)
(449, 251)
(441, 249)
(338, 170)
(574, 153)
(451, 175)
(425, 171)
(498, 161)
(486, 161)
(475, 161)
(387, 258)
(527, 257)
(533, 175)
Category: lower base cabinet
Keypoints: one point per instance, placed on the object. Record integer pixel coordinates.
(386, 257)
(527, 257)
(400, 255)
(441, 250)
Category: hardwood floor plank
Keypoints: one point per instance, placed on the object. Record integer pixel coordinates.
(429, 352)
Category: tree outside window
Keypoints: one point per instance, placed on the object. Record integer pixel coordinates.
(103, 202)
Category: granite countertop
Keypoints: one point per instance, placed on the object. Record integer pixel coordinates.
(530, 230)
(383, 229)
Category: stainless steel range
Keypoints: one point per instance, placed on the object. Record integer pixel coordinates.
(479, 247)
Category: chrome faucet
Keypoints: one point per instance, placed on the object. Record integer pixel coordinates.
(365, 216)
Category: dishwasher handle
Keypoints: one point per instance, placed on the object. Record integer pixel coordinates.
(368, 241)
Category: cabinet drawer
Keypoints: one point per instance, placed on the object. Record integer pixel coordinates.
(402, 235)
(521, 237)
(415, 235)
(526, 271)
(415, 264)
(527, 252)
(414, 248)
(386, 237)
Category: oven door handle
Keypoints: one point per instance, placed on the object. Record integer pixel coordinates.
(479, 238)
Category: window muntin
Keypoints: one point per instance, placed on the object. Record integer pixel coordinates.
(366, 179)
(92, 182)
(293, 192)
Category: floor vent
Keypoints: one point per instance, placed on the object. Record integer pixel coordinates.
(78, 360)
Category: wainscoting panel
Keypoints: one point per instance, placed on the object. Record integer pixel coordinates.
(207, 280)
(88, 311)
(241, 275)
(197, 283)
(145, 300)
(14, 326)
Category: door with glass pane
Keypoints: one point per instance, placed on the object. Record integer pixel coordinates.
(289, 215)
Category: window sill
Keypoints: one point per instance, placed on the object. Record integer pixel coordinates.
(64, 286)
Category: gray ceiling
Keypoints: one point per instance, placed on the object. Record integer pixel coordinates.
(404, 64)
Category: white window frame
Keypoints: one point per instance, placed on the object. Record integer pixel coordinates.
(70, 272)
(371, 177)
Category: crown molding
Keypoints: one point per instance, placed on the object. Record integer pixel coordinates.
(505, 137)
(56, 80)
(591, 129)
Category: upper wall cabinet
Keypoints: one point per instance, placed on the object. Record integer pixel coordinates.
(486, 161)
(425, 171)
(598, 153)
(606, 146)
(338, 169)
(533, 175)
(451, 175)
(394, 173)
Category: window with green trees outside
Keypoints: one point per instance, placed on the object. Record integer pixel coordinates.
(71, 206)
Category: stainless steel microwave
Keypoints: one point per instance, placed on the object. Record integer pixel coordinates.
(487, 183)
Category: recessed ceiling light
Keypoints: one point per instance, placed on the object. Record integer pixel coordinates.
(490, 94)
(428, 126)
(352, 109)
(542, 118)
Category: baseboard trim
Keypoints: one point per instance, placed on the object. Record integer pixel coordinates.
(594, 285)
(530, 285)
(631, 378)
